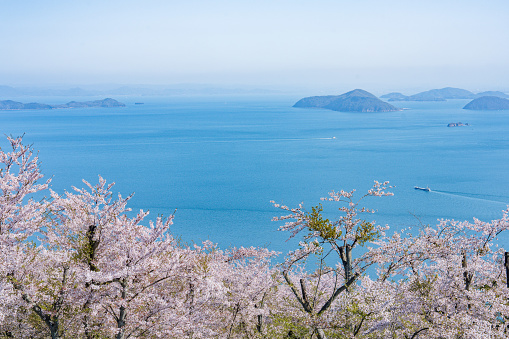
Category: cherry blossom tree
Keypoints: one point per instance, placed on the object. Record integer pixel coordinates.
(317, 292)
(249, 286)
(451, 281)
(120, 261)
(20, 218)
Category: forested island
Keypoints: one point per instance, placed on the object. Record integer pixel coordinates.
(488, 103)
(15, 105)
(357, 100)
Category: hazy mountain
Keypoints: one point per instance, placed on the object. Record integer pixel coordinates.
(143, 90)
(437, 95)
(492, 94)
(9, 104)
(357, 100)
(394, 95)
(7, 91)
(108, 102)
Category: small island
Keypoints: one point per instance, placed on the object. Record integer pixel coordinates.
(14, 105)
(457, 124)
(357, 100)
(488, 103)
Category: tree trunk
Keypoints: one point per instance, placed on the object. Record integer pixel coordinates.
(121, 323)
(259, 324)
(507, 268)
(54, 330)
(51, 322)
(122, 314)
(346, 258)
(466, 276)
(320, 334)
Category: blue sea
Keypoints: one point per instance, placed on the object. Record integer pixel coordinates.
(220, 160)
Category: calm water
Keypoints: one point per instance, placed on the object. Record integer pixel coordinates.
(220, 161)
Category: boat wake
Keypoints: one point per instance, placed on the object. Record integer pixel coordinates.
(484, 197)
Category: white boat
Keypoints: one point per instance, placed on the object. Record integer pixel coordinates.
(427, 189)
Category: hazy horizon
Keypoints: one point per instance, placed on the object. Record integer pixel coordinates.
(325, 46)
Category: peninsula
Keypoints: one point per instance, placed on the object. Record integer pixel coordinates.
(14, 105)
(488, 103)
(357, 100)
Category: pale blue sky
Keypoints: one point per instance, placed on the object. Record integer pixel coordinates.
(317, 44)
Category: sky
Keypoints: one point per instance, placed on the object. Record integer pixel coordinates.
(320, 44)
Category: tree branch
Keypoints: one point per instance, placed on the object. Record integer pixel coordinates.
(338, 292)
(304, 304)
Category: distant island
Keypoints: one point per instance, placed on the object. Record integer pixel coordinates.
(492, 94)
(488, 103)
(108, 102)
(357, 100)
(442, 94)
(457, 124)
(432, 95)
(394, 96)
